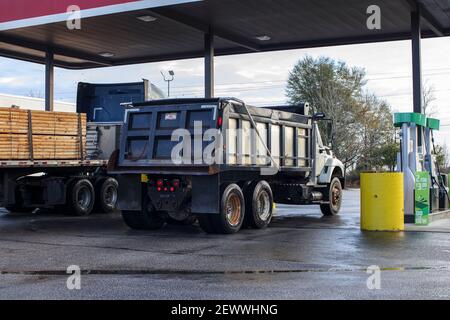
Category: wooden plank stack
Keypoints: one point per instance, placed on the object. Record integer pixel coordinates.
(41, 135)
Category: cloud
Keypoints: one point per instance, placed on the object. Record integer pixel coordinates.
(8, 80)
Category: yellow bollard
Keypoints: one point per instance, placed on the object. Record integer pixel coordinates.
(382, 203)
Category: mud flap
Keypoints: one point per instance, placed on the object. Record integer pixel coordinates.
(205, 194)
(130, 192)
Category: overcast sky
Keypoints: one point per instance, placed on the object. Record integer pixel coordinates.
(260, 78)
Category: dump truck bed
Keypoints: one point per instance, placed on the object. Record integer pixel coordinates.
(147, 140)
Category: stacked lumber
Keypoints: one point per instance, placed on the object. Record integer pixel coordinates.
(41, 135)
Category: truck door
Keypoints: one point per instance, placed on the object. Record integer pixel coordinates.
(321, 155)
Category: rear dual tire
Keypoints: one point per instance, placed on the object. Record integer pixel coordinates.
(259, 205)
(81, 197)
(106, 191)
(255, 209)
(231, 214)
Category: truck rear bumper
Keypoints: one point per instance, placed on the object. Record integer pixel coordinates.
(204, 192)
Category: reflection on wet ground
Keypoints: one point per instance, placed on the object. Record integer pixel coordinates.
(302, 255)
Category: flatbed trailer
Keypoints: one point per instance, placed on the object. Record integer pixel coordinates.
(78, 186)
(268, 155)
(32, 165)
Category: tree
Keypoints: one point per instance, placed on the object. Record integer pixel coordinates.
(362, 122)
(428, 97)
(377, 132)
(442, 158)
(386, 156)
(430, 110)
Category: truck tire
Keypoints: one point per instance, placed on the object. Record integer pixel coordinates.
(334, 196)
(259, 205)
(232, 211)
(206, 224)
(133, 219)
(148, 219)
(106, 195)
(186, 222)
(81, 197)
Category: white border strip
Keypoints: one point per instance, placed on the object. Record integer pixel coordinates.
(130, 6)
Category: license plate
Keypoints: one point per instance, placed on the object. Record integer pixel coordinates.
(171, 116)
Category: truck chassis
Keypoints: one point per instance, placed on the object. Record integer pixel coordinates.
(224, 197)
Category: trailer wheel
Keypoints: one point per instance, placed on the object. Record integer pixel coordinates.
(81, 197)
(148, 219)
(106, 195)
(334, 196)
(259, 205)
(232, 211)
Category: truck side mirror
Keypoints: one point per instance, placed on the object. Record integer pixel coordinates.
(319, 116)
(330, 134)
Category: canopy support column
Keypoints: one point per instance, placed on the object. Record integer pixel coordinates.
(416, 64)
(49, 81)
(209, 64)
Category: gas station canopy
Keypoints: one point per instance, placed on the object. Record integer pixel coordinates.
(119, 32)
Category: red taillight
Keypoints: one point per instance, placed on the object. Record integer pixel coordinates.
(172, 189)
(159, 189)
(176, 183)
(160, 183)
(219, 122)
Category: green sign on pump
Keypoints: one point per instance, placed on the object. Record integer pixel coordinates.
(422, 198)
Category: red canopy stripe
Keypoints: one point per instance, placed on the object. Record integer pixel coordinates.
(12, 10)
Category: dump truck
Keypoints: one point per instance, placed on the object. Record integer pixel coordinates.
(222, 162)
(58, 161)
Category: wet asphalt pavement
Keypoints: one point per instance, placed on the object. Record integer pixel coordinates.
(301, 256)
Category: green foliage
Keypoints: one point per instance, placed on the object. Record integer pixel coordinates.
(442, 159)
(362, 122)
(386, 156)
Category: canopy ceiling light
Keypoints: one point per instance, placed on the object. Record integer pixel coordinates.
(147, 18)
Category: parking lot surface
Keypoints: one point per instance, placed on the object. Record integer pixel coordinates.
(301, 256)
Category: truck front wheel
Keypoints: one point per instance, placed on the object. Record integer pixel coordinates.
(334, 197)
(231, 215)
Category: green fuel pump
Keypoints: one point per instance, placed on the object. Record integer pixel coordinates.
(423, 184)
